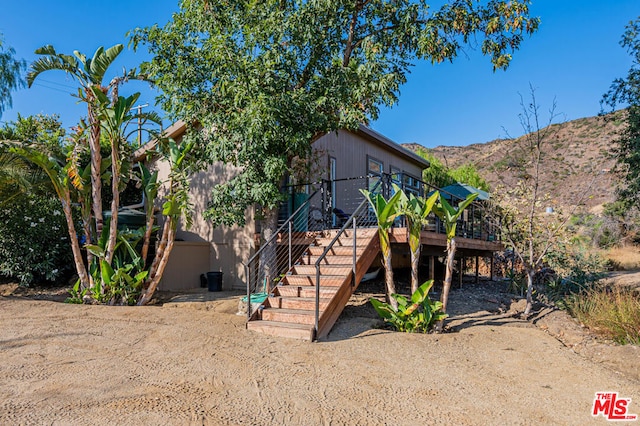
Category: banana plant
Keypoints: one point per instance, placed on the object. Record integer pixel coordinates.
(386, 212)
(449, 216)
(115, 120)
(415, 315)
(150, 188)
(415, 210)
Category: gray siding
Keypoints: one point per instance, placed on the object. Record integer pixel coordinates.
(351, 152)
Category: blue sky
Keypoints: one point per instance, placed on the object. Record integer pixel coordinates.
(573, 58)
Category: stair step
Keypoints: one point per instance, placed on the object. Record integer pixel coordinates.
(297, 316)
(336, 250)
(344, 241)
(328, 260)
(324, 269)
(304, 291)
(310, 280)
(308, 303)
(282, 329)
(361, 232)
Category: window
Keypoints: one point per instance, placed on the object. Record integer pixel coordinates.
(411, 184)
(396, 175)
(374, 169)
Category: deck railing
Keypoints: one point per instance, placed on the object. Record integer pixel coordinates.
(339, 199)
(339, 204)
(277, 255)
(361, 217)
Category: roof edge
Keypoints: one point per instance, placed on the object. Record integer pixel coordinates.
(385, 141)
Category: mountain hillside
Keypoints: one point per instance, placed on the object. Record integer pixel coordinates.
(576, 166)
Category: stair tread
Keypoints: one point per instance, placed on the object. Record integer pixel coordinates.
(295, 311)
(281, 324)
(304, 299)
(314, 275)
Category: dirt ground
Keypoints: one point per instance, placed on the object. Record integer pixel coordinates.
(191, 361)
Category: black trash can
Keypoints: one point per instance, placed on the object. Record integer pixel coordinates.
(214, 281)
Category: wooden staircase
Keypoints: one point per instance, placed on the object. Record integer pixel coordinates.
(290, 310)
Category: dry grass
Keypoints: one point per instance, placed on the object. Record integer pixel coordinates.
(624, 258)
(611, 311)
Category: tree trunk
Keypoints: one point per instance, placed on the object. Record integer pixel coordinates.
(147, 239)
(530, 274)
(448, 277)
(75, 245)
(86, 226)
(160, 261)
(115, 203)
(385, 247)
(415, 248)
(96, 164)
(268, 263)
(161, 247)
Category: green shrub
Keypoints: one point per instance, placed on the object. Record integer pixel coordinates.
(576, 269)
(416, 315)
(34, 243)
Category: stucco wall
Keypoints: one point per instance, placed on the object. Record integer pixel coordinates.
(229, 247)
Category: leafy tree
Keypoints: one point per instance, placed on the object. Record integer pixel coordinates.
(265, 79)
(440, 175)
(468, 174)
(437, 174)
(10, 75)
(29, 209)
(90, 73)
(115, 272)
(626, 91)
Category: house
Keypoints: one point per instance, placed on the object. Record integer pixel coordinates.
(349, 160)
(298, 282)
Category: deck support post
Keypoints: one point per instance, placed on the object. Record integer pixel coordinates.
(492, 268)
(432, 266)
(477, 269)
(461, 262)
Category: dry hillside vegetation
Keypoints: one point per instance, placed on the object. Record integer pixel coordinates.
(576, 160)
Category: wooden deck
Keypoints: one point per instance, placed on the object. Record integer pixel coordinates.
(436, 242)
(290, 310)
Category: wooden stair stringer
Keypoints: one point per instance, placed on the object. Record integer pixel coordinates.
(335, 307)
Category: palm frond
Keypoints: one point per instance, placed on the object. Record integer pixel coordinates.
(101, 61)
(49, 63)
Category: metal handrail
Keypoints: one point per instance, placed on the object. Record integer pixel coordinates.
(256, 255)
(351, 222)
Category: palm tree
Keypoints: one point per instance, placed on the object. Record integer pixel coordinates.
(58, 172)
(16, 177)
(449, 216)
(90, 73)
